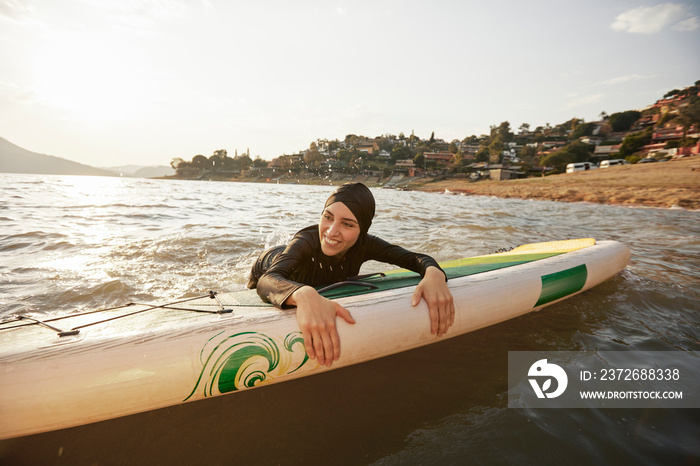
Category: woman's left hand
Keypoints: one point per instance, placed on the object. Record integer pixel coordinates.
(433, 288)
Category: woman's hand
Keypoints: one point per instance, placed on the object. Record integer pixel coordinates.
(316, 318)
(433, 288)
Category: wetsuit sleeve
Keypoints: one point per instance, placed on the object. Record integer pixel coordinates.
(275, 285)
(383, 251)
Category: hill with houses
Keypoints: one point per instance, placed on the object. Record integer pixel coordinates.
(665, 129)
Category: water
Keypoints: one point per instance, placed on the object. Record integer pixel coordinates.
(77, 243)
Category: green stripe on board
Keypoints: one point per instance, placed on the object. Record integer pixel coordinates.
(401, 278)
(560, 284)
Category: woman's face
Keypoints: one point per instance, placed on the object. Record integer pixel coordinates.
(338, 230)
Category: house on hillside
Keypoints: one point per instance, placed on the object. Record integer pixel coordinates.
(469, 149)
(648, 120)
(442, 158)
(498, 172)
(553, 144)
(593, 140)
(667, 134)
(607, 150)
(441, 145)
(684, 151)
(369, 147)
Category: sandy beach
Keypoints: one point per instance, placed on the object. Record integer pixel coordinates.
(662, 184)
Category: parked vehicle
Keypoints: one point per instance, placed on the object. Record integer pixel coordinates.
(580, 166)
(612, 163)
(648, 160)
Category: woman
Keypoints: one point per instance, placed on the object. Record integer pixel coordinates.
(331, 252)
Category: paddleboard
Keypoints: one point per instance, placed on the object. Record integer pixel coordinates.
(87, 367)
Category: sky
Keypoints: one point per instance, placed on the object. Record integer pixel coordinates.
(116, 82)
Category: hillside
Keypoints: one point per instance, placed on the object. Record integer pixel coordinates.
(14, 159)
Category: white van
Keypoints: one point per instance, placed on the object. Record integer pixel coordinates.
(580, 166)
(612, 163)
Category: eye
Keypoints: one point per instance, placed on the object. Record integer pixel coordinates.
(349, 225)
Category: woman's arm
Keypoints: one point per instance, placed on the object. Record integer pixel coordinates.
(316, 318)
(433, 288)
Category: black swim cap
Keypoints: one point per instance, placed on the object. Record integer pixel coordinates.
(358, 198)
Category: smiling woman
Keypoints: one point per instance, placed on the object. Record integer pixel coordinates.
(92, 75)
(331, 252)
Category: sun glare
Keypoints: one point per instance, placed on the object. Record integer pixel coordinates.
(92, 76)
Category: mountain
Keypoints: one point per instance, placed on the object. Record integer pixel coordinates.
(14, 159)
(140, 171)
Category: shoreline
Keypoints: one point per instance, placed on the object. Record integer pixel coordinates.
(672, 184)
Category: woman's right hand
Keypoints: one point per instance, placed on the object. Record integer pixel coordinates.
(316, 317)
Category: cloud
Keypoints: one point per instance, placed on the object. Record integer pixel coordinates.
(12, 93)
(625, 79)
(585, 100)
(142, 13)
(653, 19)
(16, 10)
(690, 24)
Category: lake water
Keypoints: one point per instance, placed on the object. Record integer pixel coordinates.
(78, 243)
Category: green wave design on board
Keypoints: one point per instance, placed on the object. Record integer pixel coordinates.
(246, 359)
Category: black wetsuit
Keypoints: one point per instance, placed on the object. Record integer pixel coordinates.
(280, 271)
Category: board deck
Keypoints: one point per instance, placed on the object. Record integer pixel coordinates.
(400, 278)
(144, 356)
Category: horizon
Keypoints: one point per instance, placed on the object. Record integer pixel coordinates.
(113, 83)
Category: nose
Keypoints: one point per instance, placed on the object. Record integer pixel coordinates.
(332, 228)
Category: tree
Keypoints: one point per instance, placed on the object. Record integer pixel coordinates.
(244, 162)
(200, 161)
(585, 129)
(633, 142)
(400, 152)
(483, 154)
(623, 121)
(313, 157)
(524, 128)
(333, 145)
(528, 153)
(458, 162)
(503, 130)
(419, 160)
(385, 144)
(690, 115)
(571, 153)
(216, 162)
(352, 140)
(496, 150)
(497, 141)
